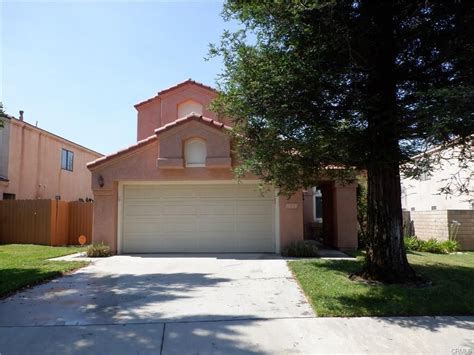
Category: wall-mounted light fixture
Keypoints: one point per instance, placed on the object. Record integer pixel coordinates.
(100, 181)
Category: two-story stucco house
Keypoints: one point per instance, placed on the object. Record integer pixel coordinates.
(175, 190)
(37, 164)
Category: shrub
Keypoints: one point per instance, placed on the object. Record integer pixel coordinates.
(451, 246)
(431, 246)
(300, 249)
(412, 243)
(98, 250)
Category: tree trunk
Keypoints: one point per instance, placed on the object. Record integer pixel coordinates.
(386, 259)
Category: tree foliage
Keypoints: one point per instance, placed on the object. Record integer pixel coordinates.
(323, 88)
(295, 79)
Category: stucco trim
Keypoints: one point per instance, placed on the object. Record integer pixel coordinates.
(170, 163)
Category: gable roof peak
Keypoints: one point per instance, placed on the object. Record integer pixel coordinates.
(175, 87)
(186, 82)
(193, 117)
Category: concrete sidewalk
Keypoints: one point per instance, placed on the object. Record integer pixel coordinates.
(399, 335)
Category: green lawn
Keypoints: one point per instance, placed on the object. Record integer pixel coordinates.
(24, 264)
(332, 294)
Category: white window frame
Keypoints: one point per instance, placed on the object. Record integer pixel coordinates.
(316, 193)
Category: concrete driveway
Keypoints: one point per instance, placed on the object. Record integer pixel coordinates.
(201, 304)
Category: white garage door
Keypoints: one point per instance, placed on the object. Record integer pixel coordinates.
(197, 218)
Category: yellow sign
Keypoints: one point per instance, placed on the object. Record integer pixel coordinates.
(82, 239)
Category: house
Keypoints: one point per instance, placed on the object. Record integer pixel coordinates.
(424, 194)
(37, 164)
(175, 190)
(433, 214)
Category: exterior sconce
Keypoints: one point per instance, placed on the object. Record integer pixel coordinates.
(100, 181)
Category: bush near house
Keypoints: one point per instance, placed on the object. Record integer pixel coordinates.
(431, 246)
(98, 250)
(300, 249)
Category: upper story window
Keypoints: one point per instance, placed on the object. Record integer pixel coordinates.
(67, 160)
(195, 153)
(189, 106)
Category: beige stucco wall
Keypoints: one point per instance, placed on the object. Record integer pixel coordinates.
(34, 165)
(423, 195)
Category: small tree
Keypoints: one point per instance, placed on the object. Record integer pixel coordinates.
(2, 114)
(357, 84)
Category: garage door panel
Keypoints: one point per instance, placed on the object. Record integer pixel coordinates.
(179, 209)
(213, 207)
(197, 218)
(143, 211)
(260, 209)
(216, 191)
(144, 226)
(217, 225)
(179, 224)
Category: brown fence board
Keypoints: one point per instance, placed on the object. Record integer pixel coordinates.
(80, 221)
(47, 222)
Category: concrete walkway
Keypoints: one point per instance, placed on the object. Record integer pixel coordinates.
(202, 304)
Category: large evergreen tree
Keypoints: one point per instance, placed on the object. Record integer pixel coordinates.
(357, 84)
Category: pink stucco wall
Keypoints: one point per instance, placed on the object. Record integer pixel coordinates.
(345, 213)
(291, 218)
(161, 159)
(163, 108)
(171, 145)
(141, 165)
(34, 165)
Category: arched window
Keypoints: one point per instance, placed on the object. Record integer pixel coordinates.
(189, 106)
(195, 153)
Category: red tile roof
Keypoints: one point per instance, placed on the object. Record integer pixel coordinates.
(131, 148)
(174, 87)
(191, 117)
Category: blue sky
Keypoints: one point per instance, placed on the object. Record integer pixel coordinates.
(79, 67)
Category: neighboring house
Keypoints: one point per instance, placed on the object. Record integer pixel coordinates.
(175, 191)
(424, 194)
(437, 215)
(37, 164)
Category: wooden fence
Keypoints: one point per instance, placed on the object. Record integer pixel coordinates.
(47, 222)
